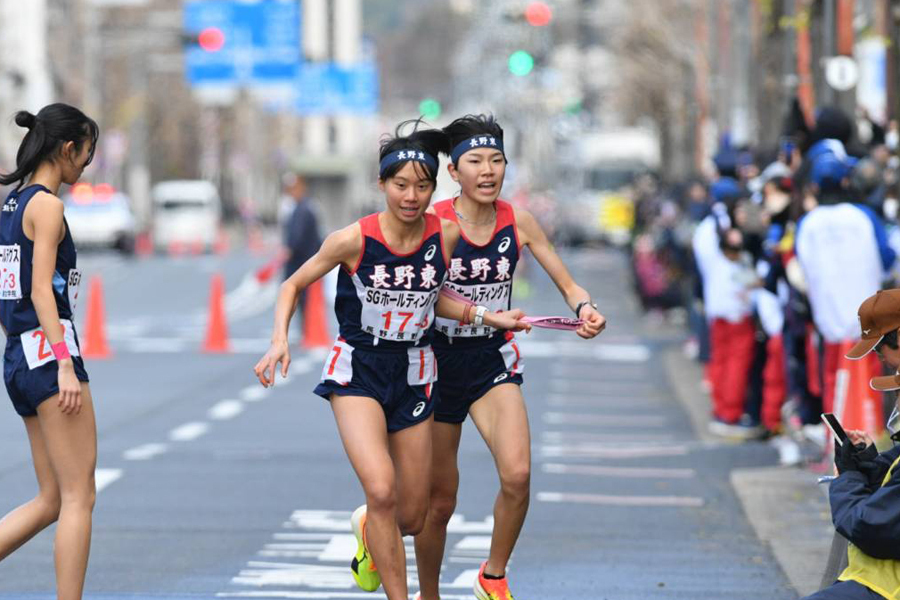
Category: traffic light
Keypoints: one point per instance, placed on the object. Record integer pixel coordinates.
(211, 39)
(430, 108)
(538, 14)
(520, 63)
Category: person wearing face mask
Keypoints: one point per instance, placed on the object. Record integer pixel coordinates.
(865, 497)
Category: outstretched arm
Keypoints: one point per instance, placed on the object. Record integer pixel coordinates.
(531, 234)
(342, 247)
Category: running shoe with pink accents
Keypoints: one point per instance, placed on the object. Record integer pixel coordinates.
(491, 589)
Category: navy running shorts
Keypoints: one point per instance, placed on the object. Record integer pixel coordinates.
(402, 382)
(469, 372)
(30, 382)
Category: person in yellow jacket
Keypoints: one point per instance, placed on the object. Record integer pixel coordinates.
(865, 497)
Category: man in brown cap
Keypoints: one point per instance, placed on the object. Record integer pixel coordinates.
(879, 320)
(865, 497)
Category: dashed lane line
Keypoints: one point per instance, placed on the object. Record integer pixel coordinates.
(610, 500)
(189, 431)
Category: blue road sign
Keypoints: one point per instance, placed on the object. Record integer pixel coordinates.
(332, 89)
(261, 42)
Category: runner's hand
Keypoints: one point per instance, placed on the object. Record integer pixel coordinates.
(509, 319)
(265, 369)
(594, 322)
(69, 388)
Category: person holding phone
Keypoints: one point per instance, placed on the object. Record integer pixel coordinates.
(865, 497)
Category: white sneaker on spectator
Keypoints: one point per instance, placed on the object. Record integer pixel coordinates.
(789, 453)
(815, 434)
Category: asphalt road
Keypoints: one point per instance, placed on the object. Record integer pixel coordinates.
(211, 487)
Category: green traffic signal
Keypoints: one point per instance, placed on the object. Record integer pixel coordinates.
(430, 108)
(520, 63)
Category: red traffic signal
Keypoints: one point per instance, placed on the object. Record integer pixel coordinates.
(211, 39)
(538, 14)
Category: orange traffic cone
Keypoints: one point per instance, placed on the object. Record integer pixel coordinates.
(143, 244)
(95, 345)
(856, 404)
(220, 246)
(216, 341)
(315, 323)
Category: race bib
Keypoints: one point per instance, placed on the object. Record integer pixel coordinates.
(10, 260)
(397, 315)
(37, 347)
(73, 287)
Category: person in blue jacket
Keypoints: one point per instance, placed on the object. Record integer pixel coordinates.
(865, 497)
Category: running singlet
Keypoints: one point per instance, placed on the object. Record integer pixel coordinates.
(388, 300)
(481, 273)
(16, 255)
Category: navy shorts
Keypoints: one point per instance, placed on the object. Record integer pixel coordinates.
(402, 382)
(468, 372)
(27, 387)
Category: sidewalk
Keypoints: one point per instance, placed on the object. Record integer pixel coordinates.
(786, 507)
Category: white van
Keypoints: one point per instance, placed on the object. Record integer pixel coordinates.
(186, 213)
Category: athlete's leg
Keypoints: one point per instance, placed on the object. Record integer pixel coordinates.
(26, 521)
(363, 431)
(502, 420)
(444, 485)
(411, 453)
(72, 447)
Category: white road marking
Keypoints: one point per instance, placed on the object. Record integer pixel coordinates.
(608, 451)
(302, 366)
(472, 543)
(189, 431)
(104, 477)
(558, 418)
(144, 452)
(643, 501)
(626, 472)
(254, 393)
(563, 437)
(602, 400)
(226, 409)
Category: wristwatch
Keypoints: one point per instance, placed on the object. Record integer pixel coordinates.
(479, 315)
(581, 305)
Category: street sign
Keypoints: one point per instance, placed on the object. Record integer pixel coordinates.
(332, 89)
(841, 73)
(259, 43)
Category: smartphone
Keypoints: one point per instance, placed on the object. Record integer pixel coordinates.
(835, 426)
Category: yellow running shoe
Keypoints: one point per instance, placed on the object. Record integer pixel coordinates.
(363, 566)
(491, 589)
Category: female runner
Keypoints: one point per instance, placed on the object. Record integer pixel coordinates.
(42, 366)
(379, 376)
(481, 368)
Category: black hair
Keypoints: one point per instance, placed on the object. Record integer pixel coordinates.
(52, 127)
(430, 140)
(889, 340)
(468, 126)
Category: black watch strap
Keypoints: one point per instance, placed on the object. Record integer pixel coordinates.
(581, 305)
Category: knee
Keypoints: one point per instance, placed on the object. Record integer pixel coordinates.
(443, 505)
(381, 497)
(412, 522)
(48, 504)
(81, 498)
(516, 480)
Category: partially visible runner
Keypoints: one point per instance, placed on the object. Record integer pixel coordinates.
(379, 376)
(481, 367)
(42, 366)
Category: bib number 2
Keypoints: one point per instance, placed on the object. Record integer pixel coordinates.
(37, 347)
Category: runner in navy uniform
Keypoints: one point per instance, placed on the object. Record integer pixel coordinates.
(381, 371)
(481, 368)
(42, 366)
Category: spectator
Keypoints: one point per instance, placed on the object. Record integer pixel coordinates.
(865, 497)
(301, 231)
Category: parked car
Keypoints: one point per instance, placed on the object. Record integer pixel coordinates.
(186, 213)
(100, 217)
